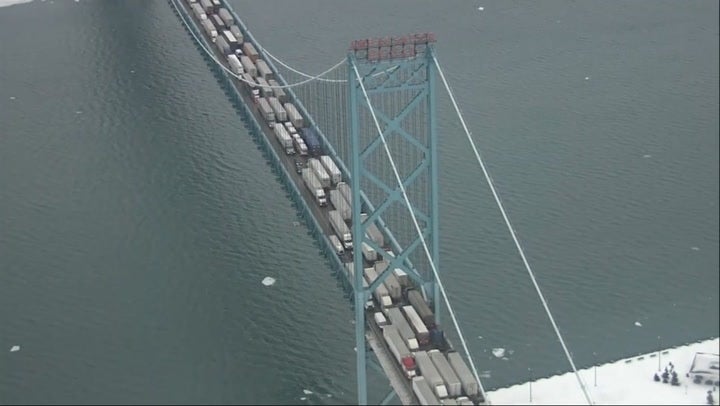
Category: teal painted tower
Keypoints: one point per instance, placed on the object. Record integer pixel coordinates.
(398, 76)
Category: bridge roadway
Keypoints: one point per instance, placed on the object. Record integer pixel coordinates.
(374, 336)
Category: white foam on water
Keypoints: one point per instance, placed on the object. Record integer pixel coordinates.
(268, 281)
(498, 352)
(587, 77)
(15, 348)
(695, 248)
(12, 97)
(647, 156)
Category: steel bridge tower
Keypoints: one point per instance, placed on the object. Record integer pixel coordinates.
(399, 76)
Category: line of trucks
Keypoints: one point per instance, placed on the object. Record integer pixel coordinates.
(437, 374)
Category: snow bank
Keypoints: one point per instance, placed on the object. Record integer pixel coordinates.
(625, 382)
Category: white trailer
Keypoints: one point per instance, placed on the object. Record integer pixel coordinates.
(431, 374)
(199, 12)
(338, 201)
(209, 29)
(284, 138)
(452, 382)
(226, 17)
(344, 188)
(279, 92)
(294, 115)
(266, 112)
(422, 390)
(332, 169)
(398, 320)
(399, 350)
(249, 66)
(374, 232)
(380, 319)
(263, 69)
(230, 38)
(392, 283)
(341, 229)
(300, 146)
(320, 172)
(249, 50)
(367, 251)
(421, 332)
(314, 186)
(235, 64)
(235, 30)
(265, 89)
(381, 294)
(336, 244)
(280, 113)
(469, 384)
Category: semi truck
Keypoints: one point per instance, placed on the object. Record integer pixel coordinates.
(249, 50)
(431, 374)
(367, 251)
(338, 224)
(340, 204)
(199, 12)
(280, 113)
(235, 30)
(284, 138)
(319, 171)
(398, 320)
(249, 66)
(392, 283)
(421, 332)
(294, 115)
(279, 92)
(312, 140)
(373, 231)
(331, 168)
(235, 64)
(467, 380)
(452, 382)
(422, 390)
(266, 112)
(399, 350)
(226, 17)
(209, 29)
(314, 186)
(264, 70)
(421, 307)
(381, 293)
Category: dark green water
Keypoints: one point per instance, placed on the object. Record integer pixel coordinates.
(137, 216)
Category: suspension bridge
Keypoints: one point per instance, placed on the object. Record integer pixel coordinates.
(357, 148)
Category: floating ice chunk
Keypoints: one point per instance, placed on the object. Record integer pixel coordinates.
(498, 352)
(78, 112)
(307, 392)
(481, 8)
(268, 281)
(695, 248)
(479, 337)
(329, 395)
(587, 77)
(637, 323)
(12, 97)
(15, 348)
(303, 398)
(132, 70)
